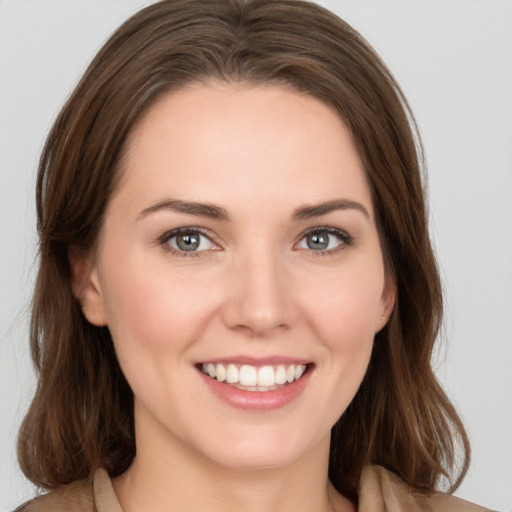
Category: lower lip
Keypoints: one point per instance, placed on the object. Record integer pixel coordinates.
(257, 400)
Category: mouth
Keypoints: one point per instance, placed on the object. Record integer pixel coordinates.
(255, 378)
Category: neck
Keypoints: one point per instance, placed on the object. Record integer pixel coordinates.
(172, 476)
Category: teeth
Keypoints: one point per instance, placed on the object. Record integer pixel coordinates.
(251, 378)
(266, 376)
(221, 372)
(232, 375)
(248, 376)
(280, 374)
(299, 370)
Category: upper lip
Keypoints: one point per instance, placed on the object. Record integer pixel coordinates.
(256, 361)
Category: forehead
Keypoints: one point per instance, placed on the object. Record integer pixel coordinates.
(212, 142)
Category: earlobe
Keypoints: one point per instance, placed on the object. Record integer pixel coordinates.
(388, 303)
(86, 287)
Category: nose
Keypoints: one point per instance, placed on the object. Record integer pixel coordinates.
(259, 296)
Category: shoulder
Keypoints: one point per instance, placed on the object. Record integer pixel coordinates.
(75, 497)
(94, 495)
(381, 491)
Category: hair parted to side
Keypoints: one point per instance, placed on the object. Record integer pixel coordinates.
(82, 414)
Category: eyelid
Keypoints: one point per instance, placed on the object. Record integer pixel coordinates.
(163, 240)
(346, 240)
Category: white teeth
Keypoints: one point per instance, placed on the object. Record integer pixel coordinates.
(221, 372)
(252, 378)
(248, 376)
(299, 370)
(266, 376)
(211, 371)
(280, 374)
(266, 388)
(232, 374)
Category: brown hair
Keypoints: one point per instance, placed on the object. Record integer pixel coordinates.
(82, 414)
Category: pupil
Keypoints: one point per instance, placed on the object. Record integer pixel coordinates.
(318, 241)
(188, 242)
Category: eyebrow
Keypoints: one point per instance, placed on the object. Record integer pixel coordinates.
(218, 213)
(317, 210)
(189, 207)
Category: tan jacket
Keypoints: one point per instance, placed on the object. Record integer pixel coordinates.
(380, 491)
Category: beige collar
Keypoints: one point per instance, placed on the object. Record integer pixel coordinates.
(105, 498)
(383, 491)
(380, 491)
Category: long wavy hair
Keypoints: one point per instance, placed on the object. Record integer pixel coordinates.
(81, 416)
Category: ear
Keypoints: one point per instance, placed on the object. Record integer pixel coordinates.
(86, 287)
(387, 302)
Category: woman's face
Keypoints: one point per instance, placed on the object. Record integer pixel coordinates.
(240, 274)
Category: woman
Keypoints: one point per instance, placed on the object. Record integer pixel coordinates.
(237, 293)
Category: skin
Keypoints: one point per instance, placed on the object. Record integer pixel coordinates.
(255, 289)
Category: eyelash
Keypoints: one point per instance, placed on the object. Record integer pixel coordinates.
(345, 239)
(166, 237)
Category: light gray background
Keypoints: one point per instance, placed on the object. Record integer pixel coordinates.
(454, 61)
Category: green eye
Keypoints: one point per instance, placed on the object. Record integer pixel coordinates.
(324, 240)
(319, 241)
(189, 241)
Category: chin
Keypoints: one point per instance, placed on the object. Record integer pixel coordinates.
(264, 450)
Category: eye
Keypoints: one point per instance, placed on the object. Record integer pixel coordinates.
(187, 240)
(325, 240)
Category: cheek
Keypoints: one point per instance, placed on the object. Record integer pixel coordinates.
(344, 320)
(346, 306)
(154, 318)
(150, 309)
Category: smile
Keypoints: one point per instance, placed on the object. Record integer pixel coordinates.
(254, 378)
